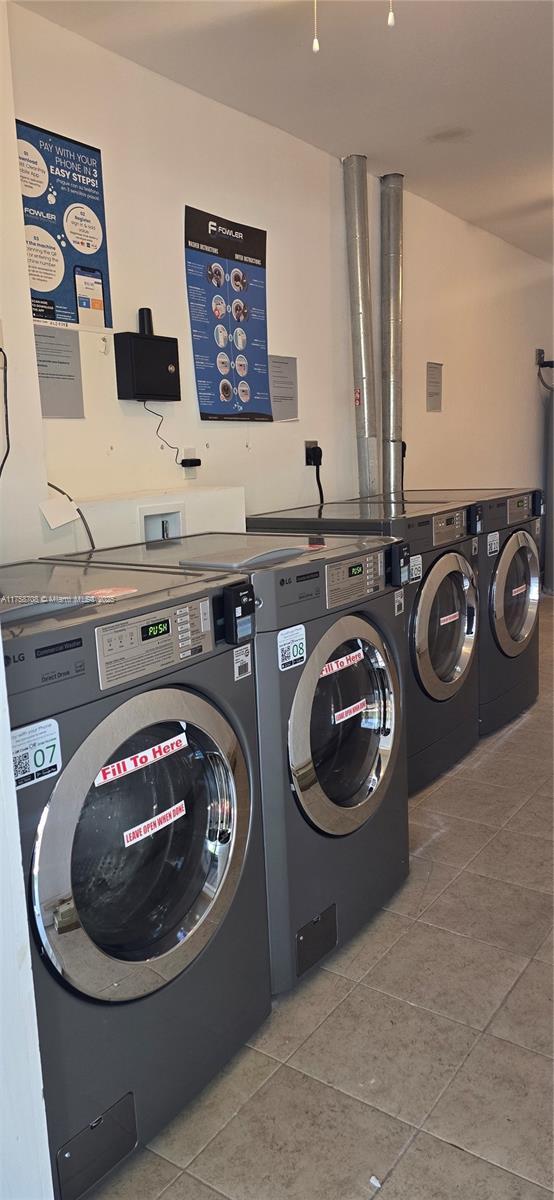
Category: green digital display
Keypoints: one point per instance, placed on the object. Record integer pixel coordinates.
(357, 569)
(155, 630)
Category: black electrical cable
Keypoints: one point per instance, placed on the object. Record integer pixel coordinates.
(548, 386)
(6, 411)
(158, 434)
(319, 487)
(55, 488)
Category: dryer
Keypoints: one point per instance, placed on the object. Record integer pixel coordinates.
(136, 765)
(330, 665)
(441, 616)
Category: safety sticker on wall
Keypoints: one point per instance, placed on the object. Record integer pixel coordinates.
(416, 567)
(36, 752)
(399, 602)
(242, 661)
(493, 543)
(291, 647)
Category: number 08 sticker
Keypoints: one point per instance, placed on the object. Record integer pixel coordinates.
(291, 647)
(36, 753)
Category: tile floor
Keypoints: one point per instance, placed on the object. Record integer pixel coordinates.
(417, 1063)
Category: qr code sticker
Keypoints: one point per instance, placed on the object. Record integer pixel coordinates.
(291, 647)
(21, 764)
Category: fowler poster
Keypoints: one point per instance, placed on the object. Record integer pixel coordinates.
(225, 265)
(65, 229)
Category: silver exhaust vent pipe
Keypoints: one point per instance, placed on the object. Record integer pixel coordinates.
(357, 245)
(391, 330)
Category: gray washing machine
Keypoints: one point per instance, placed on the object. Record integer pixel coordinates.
(441, 616)
(330, 664)
(507, 523)
(135, 756)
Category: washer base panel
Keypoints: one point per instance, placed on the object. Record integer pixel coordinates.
(441, 756)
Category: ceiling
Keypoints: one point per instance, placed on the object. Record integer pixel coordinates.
(458, 95)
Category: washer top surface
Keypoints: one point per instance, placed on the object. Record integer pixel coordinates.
(72, 591)
(360, 511)
(231, 551)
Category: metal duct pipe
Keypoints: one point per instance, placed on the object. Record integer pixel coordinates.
(391, 329)
(357, 246)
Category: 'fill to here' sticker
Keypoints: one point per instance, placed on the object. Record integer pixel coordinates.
(340, 664)
(137, 762)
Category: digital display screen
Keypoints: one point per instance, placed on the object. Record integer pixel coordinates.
(449, 521)
(155, 630)
(357, 569)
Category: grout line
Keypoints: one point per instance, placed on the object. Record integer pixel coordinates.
(489, 1162)
(381, 954)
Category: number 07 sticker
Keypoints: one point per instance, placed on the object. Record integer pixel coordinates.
(36, 753)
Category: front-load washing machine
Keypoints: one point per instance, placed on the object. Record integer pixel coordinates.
(507, 524)
(441, 616)
(330, 661)
(136, 766)
(509, 529)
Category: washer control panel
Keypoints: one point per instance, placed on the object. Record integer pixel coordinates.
(354, 578)
(153, 641)
(520, 508)
(449, 527)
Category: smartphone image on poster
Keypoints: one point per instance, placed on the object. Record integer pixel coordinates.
(89, 296)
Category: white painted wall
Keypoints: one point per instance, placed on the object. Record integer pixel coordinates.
(481, 307)
(471, 300)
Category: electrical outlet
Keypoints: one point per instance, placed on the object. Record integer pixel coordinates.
(308, 447)
(539, 358)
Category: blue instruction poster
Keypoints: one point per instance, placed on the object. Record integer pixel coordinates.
(65, 229)
(225, 265)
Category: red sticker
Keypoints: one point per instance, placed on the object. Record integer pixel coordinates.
(518, 590)
(137, 762)
(351, 711)
(340, 664)
(154, 824)
(455, 616)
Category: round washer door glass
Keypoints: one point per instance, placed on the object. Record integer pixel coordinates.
(137, 848)
(344, 727)
(515, 593)
(444, 626)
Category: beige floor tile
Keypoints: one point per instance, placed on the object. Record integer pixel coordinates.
(468, 796)
(192, 1129)
(300, 1140)
(186, 1187)
(424, 883)
(433, 1170)
(446, 839)
(545, 953)
(142, 1177)
(452, 975)
(385, 1052)
(506, 768)
(517, 858)
(526, 1017)
(513, 918)
(535, 818)
(499, 1107)
(360, 954)
(295, 1015)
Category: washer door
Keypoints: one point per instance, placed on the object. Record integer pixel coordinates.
(514, 595)
(140, 848)
(344, 727)
(444, 626)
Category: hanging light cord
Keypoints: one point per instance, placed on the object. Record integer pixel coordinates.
(315, 43)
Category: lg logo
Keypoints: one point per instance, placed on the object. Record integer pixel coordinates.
(9, 660)
(285, 580)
